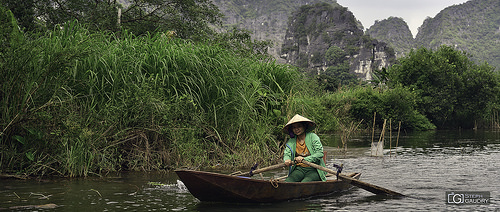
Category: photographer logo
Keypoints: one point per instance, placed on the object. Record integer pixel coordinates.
(467, 197)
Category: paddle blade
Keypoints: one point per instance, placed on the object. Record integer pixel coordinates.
(372, 188)
(358, 183)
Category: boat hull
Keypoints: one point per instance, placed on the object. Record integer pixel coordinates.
(215, 187)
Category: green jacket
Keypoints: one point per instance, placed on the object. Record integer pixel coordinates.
(315, 148)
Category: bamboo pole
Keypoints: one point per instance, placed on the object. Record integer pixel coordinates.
(257, 171)
(397, 139)
(390, 137)
(373, 128)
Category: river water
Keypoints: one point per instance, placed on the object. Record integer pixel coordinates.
(423, 166)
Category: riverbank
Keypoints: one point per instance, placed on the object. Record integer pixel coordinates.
(427, 165)
(77, 103)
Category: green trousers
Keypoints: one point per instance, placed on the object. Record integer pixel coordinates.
(303, 174)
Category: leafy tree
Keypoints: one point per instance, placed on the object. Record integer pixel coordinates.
(396, 104)
(452, 90)
(10, 36)
(240, 42)
(338, 71)
(23, 11)
(336, 76)
(379, 76)
(187, 18)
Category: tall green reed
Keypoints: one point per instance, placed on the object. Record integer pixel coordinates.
(106, 102)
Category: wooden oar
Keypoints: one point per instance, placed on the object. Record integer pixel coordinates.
(358, 183)
(257, 171)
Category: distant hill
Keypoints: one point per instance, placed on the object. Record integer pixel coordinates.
(394, 31)
(305, 44)
(473, 27)
(266, 19)
(323, 35)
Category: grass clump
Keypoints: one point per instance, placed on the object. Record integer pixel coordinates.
(100, 102)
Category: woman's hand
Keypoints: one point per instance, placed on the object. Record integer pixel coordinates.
(299, 159)
(288, 162)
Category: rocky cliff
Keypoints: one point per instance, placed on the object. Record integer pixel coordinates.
(314, 30)
(266, 19)
(394, 31)
(270, 20)
(473, 27)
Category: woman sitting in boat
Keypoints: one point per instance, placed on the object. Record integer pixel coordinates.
(303, 145)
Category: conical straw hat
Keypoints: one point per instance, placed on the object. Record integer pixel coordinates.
(298, 118)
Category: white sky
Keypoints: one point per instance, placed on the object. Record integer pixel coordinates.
(414, 12)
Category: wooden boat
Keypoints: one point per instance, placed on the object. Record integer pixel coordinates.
(215, 187)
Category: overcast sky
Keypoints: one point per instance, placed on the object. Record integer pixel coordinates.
(414, 12)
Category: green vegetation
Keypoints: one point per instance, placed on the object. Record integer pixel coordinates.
(452, 90)
(356, 104)
(10, 35)
(76, 102)
(188, 19)
(336, 76)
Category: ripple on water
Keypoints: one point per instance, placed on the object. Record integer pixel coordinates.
(422, 172)
(426, 173)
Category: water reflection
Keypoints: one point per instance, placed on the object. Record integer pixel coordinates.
(423, 166)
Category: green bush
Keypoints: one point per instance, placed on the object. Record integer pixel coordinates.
(451, 90)
(358, 104)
